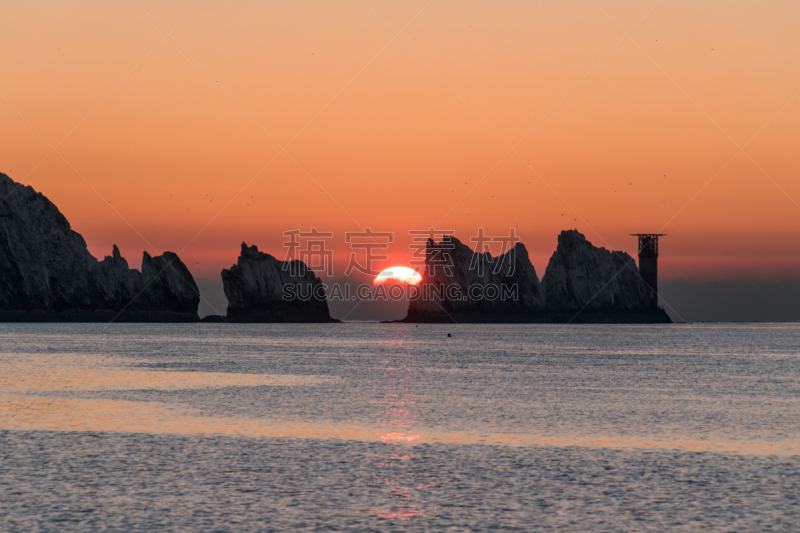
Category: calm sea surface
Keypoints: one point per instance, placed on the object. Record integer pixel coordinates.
(393, 427)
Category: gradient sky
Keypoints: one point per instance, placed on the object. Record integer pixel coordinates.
(175, 143)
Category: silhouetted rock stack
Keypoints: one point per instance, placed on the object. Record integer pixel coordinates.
(584, 283)
(48, 274)
(261, 288)
(444, 293)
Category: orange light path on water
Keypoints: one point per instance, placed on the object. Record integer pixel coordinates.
(399, 419)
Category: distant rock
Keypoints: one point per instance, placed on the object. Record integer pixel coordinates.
(48, 274)
(261, 288)
(584, 283)
(457, 289)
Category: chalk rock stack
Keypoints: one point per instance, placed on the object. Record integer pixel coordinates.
(586, 283)
(582, 283)
(48, 274)
(479, 296)
(261, 288)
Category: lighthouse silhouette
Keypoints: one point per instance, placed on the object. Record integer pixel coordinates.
(648, 263)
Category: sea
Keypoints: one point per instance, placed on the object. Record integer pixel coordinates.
(399, 427)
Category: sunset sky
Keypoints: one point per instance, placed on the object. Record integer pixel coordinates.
(688, 126)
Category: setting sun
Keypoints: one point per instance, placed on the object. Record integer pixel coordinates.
(399, 273)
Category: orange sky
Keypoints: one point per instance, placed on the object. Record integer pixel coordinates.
(174, 144)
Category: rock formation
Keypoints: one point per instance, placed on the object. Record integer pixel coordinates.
(261, 288)
(48, 274)
(163, 287)
(460, 285)
(584, 283)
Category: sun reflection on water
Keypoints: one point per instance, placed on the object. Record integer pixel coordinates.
(395, 472)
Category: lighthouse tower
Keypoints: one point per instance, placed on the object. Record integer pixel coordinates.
(648, 263)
